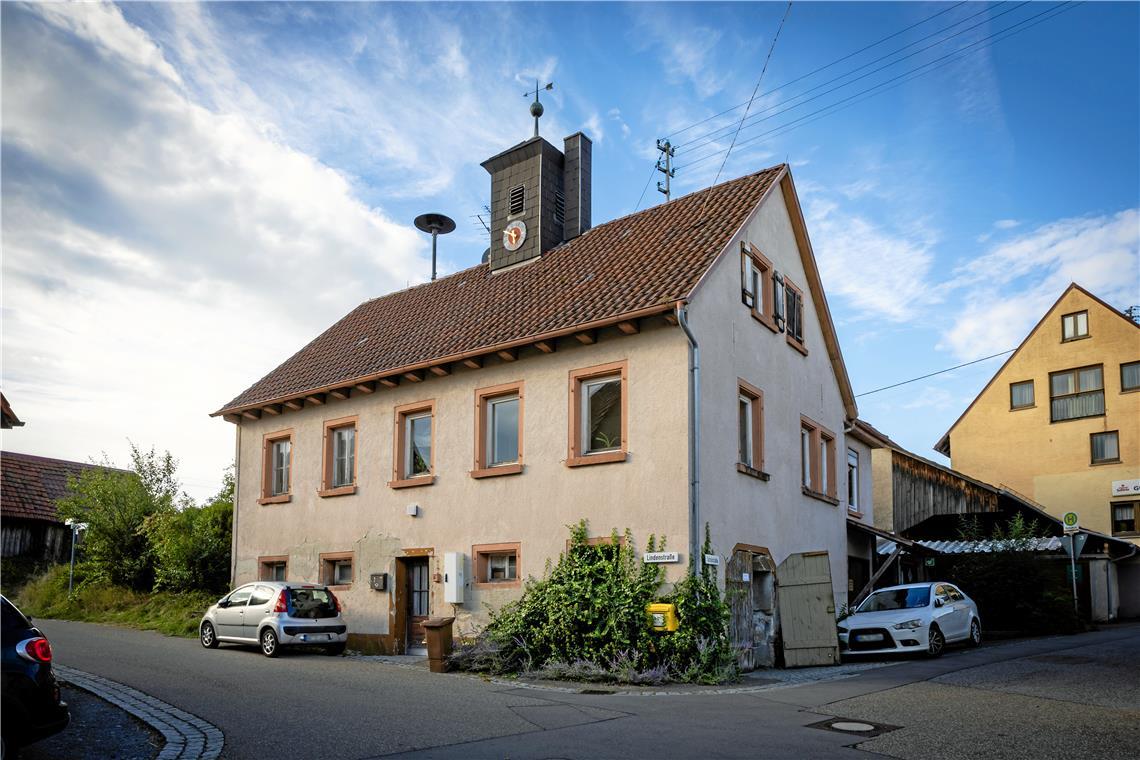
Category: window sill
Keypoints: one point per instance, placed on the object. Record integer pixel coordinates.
(1130, 390)
(1126, 534)
(796, 344)
(1073, 419)
(1022, 408)
(1104, 461)
(765, 320)
(603, 458)
(820, 496)
(421, 480)
(341, 587)
(856, 513)
(493, 472)
(752, 472)
(279, 499)
(338, 491)
(1074, 339)
(498, 584)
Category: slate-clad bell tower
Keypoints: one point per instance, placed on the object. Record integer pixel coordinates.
(539, 198)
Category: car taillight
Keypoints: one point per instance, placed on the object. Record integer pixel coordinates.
(36, 650)
(335, 601)
(281, 602)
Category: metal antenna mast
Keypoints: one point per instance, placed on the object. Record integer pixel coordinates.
(665, 148)
(536, 107)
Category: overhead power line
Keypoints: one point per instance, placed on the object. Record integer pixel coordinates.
(714, 135)
(939, 372)
(821, 68)
(756, 89)
(895, 81)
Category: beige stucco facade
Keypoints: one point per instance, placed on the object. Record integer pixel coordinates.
(1050, 462)
(646, 494)
(773, 513)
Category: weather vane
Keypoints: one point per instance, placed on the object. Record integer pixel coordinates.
(536, 107)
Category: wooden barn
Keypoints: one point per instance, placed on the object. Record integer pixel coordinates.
(29, 488)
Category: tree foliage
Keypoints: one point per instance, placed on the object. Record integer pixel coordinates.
(191, 546)
(114, 504)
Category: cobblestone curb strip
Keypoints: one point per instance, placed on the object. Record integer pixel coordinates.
(188, 737)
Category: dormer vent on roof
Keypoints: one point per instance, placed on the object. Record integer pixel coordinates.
(540, 197)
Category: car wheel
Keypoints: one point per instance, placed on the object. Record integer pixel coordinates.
(269, 644)
(207, 636)
(975, 633)
(936, 642)
(335, 649)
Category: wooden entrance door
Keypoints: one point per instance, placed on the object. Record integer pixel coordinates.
(419, 600)
(806, 604)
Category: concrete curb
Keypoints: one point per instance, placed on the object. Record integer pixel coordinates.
(187, 736)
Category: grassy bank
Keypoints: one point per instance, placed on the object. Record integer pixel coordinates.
(168, 613)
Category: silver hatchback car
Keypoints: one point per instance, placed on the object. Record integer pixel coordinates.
(273, 614)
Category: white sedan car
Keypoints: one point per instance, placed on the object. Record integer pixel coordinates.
(917, 617)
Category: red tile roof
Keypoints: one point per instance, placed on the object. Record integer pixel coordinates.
(8, 418)
(30, 485)
(641, 262)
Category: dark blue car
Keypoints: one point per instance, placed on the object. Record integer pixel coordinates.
(32, 708)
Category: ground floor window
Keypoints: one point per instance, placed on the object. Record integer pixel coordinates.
(1124, 519)
(273, 568)
(336, 569)
(496, 564)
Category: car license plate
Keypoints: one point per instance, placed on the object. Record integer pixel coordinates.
(869, 637)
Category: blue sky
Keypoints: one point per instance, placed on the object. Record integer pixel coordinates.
(175, 175)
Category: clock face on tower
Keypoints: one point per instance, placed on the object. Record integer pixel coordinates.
(513, 235)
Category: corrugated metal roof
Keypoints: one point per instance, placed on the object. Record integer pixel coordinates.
(1046, 544)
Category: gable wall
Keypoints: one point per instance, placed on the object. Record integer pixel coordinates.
(1050, 461)
(741, 508)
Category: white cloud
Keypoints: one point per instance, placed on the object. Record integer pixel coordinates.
(1012, 285)
(594, 128)
(158, 255)
(687, 50)
(1006, 224)
(880, 272)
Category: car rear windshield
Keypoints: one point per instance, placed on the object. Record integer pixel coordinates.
(896, 599)
(311, 603)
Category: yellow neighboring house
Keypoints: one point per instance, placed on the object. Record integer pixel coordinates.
(1060, 421)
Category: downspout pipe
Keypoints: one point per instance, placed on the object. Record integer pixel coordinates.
(694, 439)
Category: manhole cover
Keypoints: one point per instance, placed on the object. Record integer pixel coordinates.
(855, 727)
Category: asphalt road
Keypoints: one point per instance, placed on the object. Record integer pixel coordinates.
(307, 705)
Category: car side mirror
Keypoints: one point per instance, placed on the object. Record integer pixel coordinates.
(224, 603)
(938, 601)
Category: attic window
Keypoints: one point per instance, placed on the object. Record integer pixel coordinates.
(517, 200)
(559, 208)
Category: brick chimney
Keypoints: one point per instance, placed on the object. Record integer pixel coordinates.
(539, 198)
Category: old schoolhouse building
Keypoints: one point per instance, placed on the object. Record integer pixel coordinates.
(664, 370)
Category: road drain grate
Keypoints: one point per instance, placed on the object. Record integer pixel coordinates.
(853, 727)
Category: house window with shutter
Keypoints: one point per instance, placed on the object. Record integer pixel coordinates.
(756, 285)
(794, 316)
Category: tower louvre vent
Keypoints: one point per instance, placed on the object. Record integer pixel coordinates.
(517, 200)
(559, 208)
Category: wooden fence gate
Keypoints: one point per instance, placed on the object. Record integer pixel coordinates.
(806, 605)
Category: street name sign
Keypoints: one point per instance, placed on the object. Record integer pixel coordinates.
(1071, 522)
(661, 557)
(712, 559)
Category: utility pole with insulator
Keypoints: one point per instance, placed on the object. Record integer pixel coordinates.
(665, 166)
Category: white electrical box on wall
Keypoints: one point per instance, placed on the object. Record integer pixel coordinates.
(454, 577)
